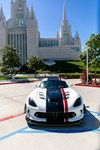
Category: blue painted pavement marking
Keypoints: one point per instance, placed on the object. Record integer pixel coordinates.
(96, 114)
(22, 130)
(13, 133)
(30, 131)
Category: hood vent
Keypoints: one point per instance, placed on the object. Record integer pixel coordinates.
(67, 95)
(41, 95)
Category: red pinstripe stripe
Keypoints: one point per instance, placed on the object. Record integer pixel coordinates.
(65, 102)
(60, 79)
(12, 116)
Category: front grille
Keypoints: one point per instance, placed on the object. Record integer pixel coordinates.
(55, 115)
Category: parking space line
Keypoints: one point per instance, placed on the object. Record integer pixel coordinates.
(12, 116)
(13, 133)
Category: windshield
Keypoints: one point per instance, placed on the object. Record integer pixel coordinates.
(55, 84)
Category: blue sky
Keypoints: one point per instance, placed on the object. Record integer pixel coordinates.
(83, 15)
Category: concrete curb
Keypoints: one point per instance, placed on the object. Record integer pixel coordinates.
(18, 81)
(87, 85)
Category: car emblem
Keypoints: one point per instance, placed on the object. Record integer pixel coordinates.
(54, 115)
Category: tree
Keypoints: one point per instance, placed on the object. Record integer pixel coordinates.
(35, 63)
(10, 59)
(93, 45)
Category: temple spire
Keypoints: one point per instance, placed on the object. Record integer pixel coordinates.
(32, 14)
(2, 17)
(19, 1)
(77, 39)
(57, 35)
(64, 14)
(76, 34)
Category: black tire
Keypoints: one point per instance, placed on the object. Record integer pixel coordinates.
(29, 124)
(25, 108)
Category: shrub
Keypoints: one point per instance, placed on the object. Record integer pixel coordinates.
(70, 75)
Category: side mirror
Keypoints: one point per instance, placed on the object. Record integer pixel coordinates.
(71, 84)
(37, 85)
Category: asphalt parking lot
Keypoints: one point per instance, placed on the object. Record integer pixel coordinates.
(15, 134)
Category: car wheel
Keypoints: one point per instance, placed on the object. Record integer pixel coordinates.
(25, 108)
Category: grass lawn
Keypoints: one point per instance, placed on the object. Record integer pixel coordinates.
(66, 67)
(3, 78)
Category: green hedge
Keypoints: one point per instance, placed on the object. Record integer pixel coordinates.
(76, 75)
(70, 75)
(63, 75)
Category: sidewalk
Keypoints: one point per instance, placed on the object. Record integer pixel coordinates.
(14, 81)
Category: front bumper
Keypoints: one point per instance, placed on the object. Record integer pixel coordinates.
(37, 116)
(32, 122)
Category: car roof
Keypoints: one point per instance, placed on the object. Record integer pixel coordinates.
(53, 78)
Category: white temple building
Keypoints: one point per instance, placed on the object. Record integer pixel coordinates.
(21, 31)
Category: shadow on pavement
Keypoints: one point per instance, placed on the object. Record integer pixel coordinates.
(90, 123)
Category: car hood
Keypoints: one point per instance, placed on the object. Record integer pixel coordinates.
(53, 100)
(54, 94)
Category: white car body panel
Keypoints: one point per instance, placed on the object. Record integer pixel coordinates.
(39, 96)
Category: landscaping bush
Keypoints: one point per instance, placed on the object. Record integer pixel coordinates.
(70, 75)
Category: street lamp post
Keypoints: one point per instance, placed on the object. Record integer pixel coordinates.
(87, 71)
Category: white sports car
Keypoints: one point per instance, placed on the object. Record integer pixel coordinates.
(53, 101)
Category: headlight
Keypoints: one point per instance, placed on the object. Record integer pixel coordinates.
(32, 103)
(77, 102)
